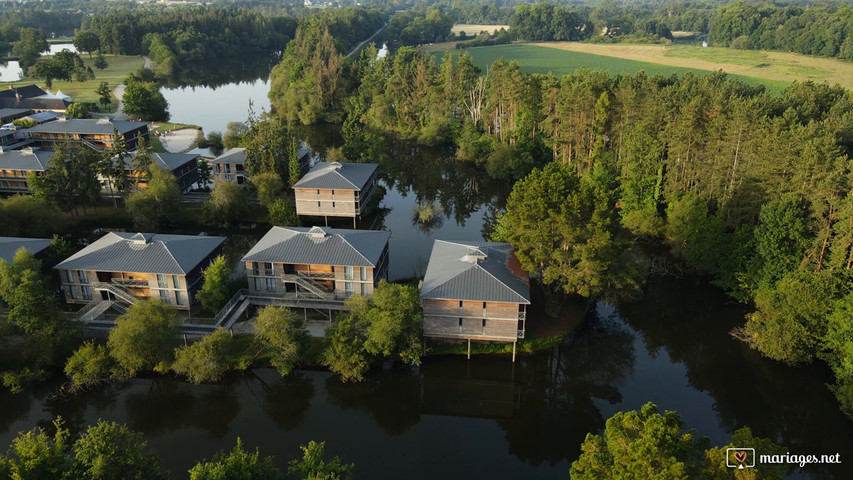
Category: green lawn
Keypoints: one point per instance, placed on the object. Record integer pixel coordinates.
(119, 67)
(536, 59)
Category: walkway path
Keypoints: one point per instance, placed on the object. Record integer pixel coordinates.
(357, 47)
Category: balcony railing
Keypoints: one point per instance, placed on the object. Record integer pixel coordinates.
(317, 275)
(130, 283)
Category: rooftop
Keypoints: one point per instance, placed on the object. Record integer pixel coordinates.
(10, 245)
(480, 271)
(233, 155)
(320, 246)
(338, 176)
(87, 126)
(28, 159)
(143, 253)
(172, 161)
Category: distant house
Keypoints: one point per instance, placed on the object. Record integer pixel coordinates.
(184, 166)
(16, 164)
(31, 97)
(320, 261)
(474, 291)
(97, 134)
(127, 266)
(231, 165)
(10, 245)
(336, 190)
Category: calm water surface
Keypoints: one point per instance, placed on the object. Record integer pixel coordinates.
(486, 418)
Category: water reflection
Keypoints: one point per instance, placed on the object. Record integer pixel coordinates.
(223, 71)
(392, 400)
(286, 400)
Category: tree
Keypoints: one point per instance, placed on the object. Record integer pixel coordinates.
(144, 100)
(72, 181)
(236, 464)
(646, 444)
(268, 144)
(144, 338)
(101, 62)
(89, 365)
(34, 455)
(228, 202)
(29, 216)
(214, 291)
(282, 213)
(112, 166)
(32, 306)
(79, 110)
(29, 48)
(205, 360)
(157, 204)
(313, 466)
(105, 95)
(234, 134)
(203, 174)
(563, 227)
(269, 187)
(11, 274)
(108, 451)
(281, 332)
(86, 41)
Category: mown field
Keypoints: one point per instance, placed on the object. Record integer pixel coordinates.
(472, 29)
(542, 59)
(114, 74)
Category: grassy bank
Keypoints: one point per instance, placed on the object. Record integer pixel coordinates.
(552, 58)
(119, 66)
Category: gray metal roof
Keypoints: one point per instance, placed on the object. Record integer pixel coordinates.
(25, 91)
(143, 253)
(42, 117)
(11, 112)
(10, 245)
(236, 156)
(338, 176)
(320, 246)
(172, 161)
(87, 126)
(29, 159)
(481, 271)
(41, 103)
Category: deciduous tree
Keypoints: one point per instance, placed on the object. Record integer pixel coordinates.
(214, 291)
(281, 332)
(205, 360)
(144, 338)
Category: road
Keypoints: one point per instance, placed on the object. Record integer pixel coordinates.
(357, 47)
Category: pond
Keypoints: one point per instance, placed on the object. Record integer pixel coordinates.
(11, 71)
(487, 417)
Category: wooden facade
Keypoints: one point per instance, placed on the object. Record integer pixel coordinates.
(473, 320)
(14, 181)
(96, 141)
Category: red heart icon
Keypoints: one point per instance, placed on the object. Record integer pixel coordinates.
(740, 456)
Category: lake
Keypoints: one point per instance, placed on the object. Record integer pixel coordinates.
(11, 71)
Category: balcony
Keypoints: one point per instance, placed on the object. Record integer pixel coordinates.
(127, 283)
(317, 275)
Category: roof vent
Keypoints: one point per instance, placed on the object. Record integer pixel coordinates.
(317, 232)
(336, 165)
(103, 121)
(62, 119)
(27, 151)
(474, 255)
(1, 150)
(140, 239)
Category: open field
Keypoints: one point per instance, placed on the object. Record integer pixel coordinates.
(472, 29)
(542, 59)
(762, 65)
(114, 74)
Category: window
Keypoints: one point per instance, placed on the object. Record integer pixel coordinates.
(333, 205)
(87, 292)
(256, 269)
(82, 276)
(364, 289)
(484, 326)
(460, 303)
(175, 282)
(268, 269)
(68, 277)
(73, 292)
(349, 288)
(363, 274)
(179, 299)
(348, 273)
(318, 204)
(460, 325)
(318, 192)
(257, 284)
(161, 281)
(270, 284)
(164, 296)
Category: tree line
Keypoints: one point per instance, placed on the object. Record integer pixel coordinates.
(108, 450)
(825, 30)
